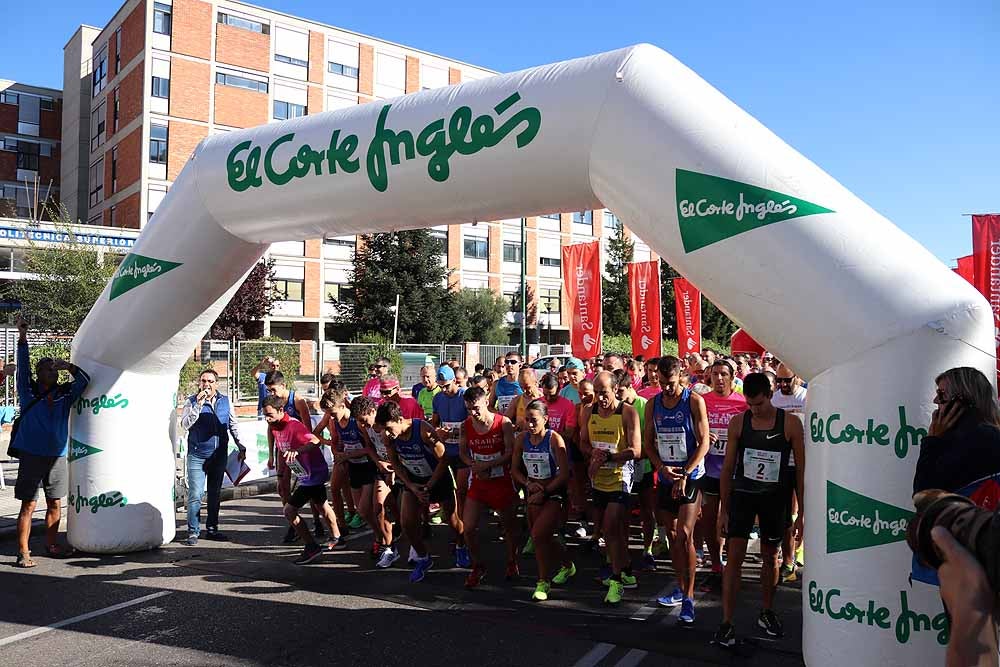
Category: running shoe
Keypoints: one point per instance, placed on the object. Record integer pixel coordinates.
(462, 558)
(787, 573)
(387, 558)
(629, 581)
(564, 574)
(755, 533)
(310, 553)
(420, 569)
(769, 623)
(800, 557)
(215, 535)
(542, 589)
(336, 543)
(725, 636)
(513, 571)
(648, 563)
(476, 576)
(529, 547)
(686, 617)
(413, 557)
(615, 592)
(604, 574)
(191, 540)
(290, 536)
(581, 532)
(661, 549)
(674, 599)
(712, 582)
(356, 521)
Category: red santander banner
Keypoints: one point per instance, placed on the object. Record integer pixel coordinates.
(644, 308)
(581, 265)
(966, 268)
(687, 298)
(986, 265)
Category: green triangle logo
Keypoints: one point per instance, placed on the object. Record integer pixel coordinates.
(79, 450)
(854, 521)
(136, 270)
(711, 209)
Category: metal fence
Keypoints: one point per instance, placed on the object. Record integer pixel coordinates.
(300, 364)
(489, 353)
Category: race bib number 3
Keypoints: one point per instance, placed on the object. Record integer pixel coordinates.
(761, 466)
(672, 446)
(718, 447)
(537, 464)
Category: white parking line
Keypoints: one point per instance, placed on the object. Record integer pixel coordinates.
(82, 617)
(595, 655)
(632, 658)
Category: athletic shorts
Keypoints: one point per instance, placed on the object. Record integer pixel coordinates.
(667, 503)
(308, 494)
(645, 482)
(769, 509)
(48, 472)
(709, 485)
(361, 474)
(442, 492)
(497, 494)
(601, 499)
(575, 455)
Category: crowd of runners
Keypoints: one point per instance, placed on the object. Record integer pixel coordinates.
(704, 454)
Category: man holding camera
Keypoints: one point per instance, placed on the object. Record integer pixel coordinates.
(209, 420)
(40, 442)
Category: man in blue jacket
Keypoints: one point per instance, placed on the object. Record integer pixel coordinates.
(42, 436)
(209, 420)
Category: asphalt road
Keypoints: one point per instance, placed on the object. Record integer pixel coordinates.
(245, 603)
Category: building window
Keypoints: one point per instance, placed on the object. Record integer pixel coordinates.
(549, 261)
(9, 98)
(158, 144)
(240, 82)
(583, 218)
(550, 300)
(329, 240)
(611, 221)
(162, 18)
(161, 87)
(115, 95)
(343, 70)
(98, 120)
(286, 110)
(511, 252)
(441, 236)
(245, 24)
(118, 50)
(97, 182)
(477, 248)
(114, 169)
(27, 155)
(550, 216)
(289, 290)
(100, 71)
(336, 292)
(290, 60)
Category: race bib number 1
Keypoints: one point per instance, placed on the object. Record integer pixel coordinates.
(672, 446)
(761, 466)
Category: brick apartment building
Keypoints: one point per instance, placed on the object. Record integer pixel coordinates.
(30, 130)
(161, 75)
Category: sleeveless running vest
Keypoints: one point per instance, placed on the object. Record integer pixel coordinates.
(291, 410)
(674, 428)
(762, 456)
(350, 440)
(506, 392)
(538, 459)
(413, 453)
(608, 433)
(487, 446)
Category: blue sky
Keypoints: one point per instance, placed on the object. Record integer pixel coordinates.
(898, 100)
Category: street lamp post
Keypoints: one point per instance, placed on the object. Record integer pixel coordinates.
(524, 288)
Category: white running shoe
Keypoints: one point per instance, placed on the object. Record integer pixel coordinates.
(388, 557)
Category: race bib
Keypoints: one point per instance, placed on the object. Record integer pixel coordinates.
(503, 402)
(761, 466)
(298, 470)
(454, 428)
(672, 446)
(418, 467)
(610, 448)
(380, 449)
(352, 448)
(718, 447)
(537, 465)
(495, 471)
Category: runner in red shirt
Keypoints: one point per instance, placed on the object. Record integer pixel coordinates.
(486, 445)
(389, 391)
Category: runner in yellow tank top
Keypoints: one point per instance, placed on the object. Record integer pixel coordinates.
(515, 411)
(611, 442)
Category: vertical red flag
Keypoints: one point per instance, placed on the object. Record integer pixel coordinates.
(966, 268)
(644, 308)
(986, 264)
(581, 267)
(688, 301)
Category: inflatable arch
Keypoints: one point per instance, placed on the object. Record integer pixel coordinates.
(828, 284)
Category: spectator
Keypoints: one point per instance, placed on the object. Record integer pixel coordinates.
(426, 380)
(41, 443)
(266, 365)
(376, 371)
(209, 420)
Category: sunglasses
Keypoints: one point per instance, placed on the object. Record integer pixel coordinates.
(388, 392)
(783, 380)
(511, 362)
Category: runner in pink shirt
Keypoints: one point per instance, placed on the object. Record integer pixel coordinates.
(377, 370)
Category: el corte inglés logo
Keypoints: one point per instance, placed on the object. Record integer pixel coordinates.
(136, 270)
(711, 208)
(79, 450)
(854, 521)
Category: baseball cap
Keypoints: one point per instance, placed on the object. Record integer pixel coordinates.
(388, 383)
(574, 363)
(445, 374)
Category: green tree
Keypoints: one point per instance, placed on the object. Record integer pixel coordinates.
(716, 327)
(243, 317)
(67, 279)
(409, 264)
(614, 289)
(482, 316)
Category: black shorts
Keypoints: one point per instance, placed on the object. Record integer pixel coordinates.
(709, 485)
(601, 499)
(308, 494)
(769, 509)
(442, 492)
(575, 455)
(361, 474)
(645, 482)
(667, 503)
(49, 472)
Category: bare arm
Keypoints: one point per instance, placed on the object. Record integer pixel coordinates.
(699, 416)
(630, 420)
(729, 463)
(559, 451)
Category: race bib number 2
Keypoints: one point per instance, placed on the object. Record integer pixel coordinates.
(761, 466)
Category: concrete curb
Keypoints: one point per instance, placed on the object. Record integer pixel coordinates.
(249, 490)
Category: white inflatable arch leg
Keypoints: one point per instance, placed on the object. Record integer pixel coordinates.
(819, 277)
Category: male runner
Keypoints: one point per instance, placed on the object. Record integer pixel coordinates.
(506, 388)
(448, 416)
(426, 390)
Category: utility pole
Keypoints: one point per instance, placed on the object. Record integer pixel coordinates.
(524, 288)
(395, 326)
